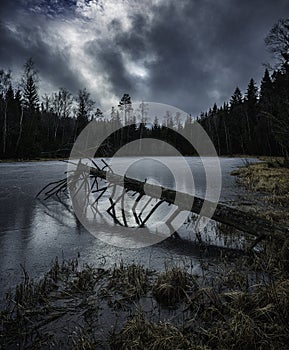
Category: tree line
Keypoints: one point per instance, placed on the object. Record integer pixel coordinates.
(48, 127)
(252, 123)
(31, 127)
(256, 123)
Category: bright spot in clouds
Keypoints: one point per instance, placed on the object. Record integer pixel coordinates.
(135, 69)
(186, 53)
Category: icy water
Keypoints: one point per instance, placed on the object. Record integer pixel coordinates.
(33, 232)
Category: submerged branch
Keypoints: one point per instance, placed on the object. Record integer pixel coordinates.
(243, 221)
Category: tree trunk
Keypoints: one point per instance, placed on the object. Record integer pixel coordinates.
(5, 129)
(227, 139)
(224, 214)
(286, 159)
(20, 130)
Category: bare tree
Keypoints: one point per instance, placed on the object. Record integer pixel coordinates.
(278, 40)
(61, 105)
(84, 108)
(18, 96)
(278, 43)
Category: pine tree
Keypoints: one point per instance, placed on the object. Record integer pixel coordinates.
(252, 94)
(266, 92)
(250, 110)
(236, 123)
(29, 87)
(98, 114)
(237, 98)
(125, 106)
(265, 140)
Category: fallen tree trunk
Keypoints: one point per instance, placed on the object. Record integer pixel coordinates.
(243, 221)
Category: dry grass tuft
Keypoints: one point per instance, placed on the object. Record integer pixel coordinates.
(85, 280)
(82, 340)
(138, 333)
(131, 281)
(172, 286)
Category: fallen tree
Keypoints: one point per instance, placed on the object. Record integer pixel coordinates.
(240, 220)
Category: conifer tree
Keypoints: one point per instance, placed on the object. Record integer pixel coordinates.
(266, 92)
(29, 86)
(250, 110)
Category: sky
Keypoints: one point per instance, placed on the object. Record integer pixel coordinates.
(186, 53)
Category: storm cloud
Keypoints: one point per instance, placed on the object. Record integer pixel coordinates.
(188, 53)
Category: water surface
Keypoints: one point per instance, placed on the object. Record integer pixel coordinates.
(33, 232)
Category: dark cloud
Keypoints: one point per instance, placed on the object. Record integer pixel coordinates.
(50, 8)
(203, 49)
(194, 53)
(15, 49)
(110, 62)
(134, 42)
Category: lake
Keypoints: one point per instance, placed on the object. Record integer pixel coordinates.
(34, 232)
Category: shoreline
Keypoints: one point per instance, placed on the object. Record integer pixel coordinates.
(17, 160)
(12, 160)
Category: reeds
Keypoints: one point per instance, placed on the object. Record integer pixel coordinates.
(236, 303)
(172, 286)
(139, 333)
(131, 281)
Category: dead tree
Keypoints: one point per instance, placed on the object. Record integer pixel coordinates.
(243, 221)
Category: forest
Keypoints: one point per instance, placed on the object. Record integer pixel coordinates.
(255, 122)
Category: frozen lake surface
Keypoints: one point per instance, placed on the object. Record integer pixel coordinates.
(33, 232)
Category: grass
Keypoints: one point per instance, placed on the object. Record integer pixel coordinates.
(131, 281)
(240, 303)
(231, 311)
(265, 177)
(172, 286)
(254, 319)
(82, 340)
(270, 178)
(139, 333)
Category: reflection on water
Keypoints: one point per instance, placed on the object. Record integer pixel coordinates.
(32, 232)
